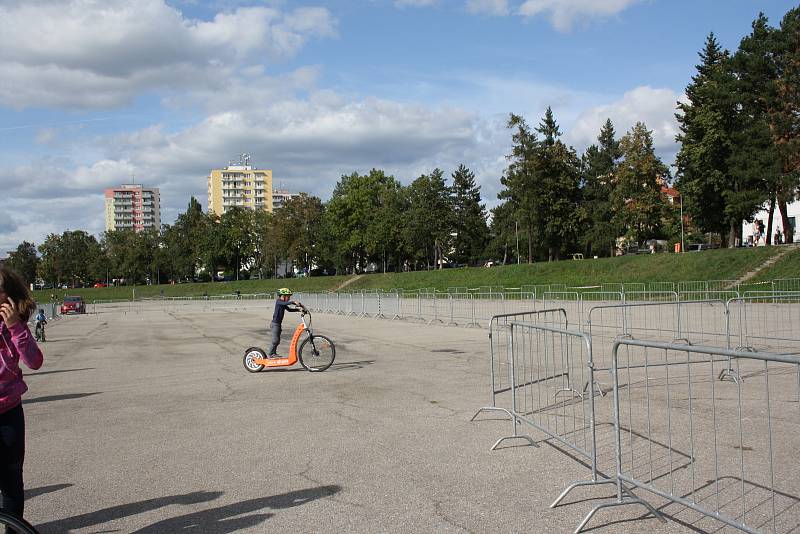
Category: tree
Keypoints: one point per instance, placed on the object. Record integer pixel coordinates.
(717, 197)
(355, 214)
(503, 235)
(265, 256)
(558, 193)
(542, 184)
(638, 206)
(71, 257)
(429, 218)
(518, 180)
(385, 231)
(298, 224)
(598, 166)
(755, 159)
(131, 255)
(183, 242)
(235, 240)
(25, 261)
(785, 117)
(470, 233)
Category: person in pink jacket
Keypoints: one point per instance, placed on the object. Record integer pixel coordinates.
(16, 343)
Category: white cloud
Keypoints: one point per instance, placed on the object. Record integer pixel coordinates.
(654, 107)
(415, 3)
(488, 7)
(92, 54)
(564, 13)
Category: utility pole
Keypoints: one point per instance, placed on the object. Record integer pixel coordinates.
(683, 246)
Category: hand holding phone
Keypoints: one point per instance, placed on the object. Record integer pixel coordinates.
(8, 312)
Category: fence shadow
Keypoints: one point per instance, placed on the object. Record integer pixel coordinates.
(65, 396)
(219, 520)
(37, 373)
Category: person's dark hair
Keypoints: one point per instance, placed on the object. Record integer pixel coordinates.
(17, 290)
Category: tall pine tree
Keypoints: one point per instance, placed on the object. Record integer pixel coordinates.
(754, 160)
(717, 197)
(469, 217)
(557, 188)
(786, 115)
(598, 235)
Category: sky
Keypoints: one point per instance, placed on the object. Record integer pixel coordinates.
(96, 93)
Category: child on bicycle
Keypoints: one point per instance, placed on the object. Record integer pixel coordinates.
(40, 320)
(16, 343)
(282, 305)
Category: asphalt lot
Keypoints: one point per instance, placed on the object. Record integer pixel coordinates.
(146, 421)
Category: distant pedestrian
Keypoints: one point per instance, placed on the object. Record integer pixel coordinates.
(16, 307)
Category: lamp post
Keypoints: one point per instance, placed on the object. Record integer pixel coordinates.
(683, 247)
(516, 234)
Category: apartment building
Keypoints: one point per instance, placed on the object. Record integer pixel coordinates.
(281, 196)
(239, 184)
(132, 207)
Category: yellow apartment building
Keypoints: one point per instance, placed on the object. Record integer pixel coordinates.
(239, 184)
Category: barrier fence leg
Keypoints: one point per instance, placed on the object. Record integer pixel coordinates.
(473, 322)
(514, 421)
(493, 407)
(397, 314)
(631, 498)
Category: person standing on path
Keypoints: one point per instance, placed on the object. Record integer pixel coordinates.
(16, 343)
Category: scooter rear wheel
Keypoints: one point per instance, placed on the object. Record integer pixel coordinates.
(251, 354)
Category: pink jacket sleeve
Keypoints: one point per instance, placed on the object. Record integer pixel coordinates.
(26, 345)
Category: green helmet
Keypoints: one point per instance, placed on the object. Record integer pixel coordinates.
(284, 291)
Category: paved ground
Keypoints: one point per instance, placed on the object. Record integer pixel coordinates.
(147, 422)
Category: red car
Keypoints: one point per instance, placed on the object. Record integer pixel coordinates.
(100, 284)
(73, 304)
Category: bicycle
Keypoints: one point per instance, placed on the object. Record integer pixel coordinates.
(316, 352)
(39, 331)
(20, 526)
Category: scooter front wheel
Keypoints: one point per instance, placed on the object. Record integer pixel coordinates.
(251, 354)
(316, 353)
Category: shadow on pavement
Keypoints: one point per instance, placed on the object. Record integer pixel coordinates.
(225, 519)
(30, 374)
(66, 396)
(220, 520)
(35, 492)
(346, 366)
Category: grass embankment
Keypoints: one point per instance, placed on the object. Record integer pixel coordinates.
(706, 265)
(786, 267)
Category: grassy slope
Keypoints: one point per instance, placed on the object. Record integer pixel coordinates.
(786, 267)
(706, 265)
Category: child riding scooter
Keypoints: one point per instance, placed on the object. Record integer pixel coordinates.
(282, 305)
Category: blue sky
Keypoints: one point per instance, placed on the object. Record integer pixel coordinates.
(95, 92)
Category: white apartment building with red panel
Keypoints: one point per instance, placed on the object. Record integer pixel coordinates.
(132, 207)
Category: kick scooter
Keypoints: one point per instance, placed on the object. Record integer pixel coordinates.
(316, 352)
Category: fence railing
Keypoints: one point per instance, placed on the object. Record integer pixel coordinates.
(721, 449)
(500, 352)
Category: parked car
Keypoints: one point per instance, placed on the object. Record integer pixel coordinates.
(100, 284)
(73, 304)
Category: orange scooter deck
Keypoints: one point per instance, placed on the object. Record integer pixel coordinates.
(284, 362)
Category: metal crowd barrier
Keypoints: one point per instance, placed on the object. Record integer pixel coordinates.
(762, 323)
(548, 367)
(500, 352)
(724, 450)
